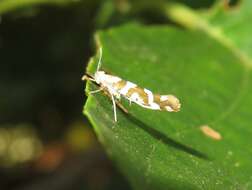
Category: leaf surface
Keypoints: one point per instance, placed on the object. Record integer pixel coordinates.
(211, 77)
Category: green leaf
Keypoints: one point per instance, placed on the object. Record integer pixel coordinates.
(10, 5)
(210, 73)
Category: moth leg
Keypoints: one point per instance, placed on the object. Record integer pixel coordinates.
(122, 107)
(118, 103)
(114, 107)
(101, 88)
(115, 100)
(130, 102)
(87, 77)
(95, 91)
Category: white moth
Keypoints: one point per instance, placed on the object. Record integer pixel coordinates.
(117, 87)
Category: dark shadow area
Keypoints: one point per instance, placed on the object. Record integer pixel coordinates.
(166, 140)
(233, 3)
(44, 51)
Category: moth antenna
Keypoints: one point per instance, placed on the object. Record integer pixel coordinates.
(99, 62)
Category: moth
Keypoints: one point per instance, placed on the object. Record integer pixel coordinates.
(117, 88)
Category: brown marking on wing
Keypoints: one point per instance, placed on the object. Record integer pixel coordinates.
(142, 94)
(171, 101)
(157, 98)
(119, 85)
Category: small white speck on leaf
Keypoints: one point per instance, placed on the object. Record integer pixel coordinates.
(237, 164)
(210, 132)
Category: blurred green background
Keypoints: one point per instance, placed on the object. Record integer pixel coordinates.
(45, 141)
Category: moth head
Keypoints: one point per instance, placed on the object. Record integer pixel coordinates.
(99, 76)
